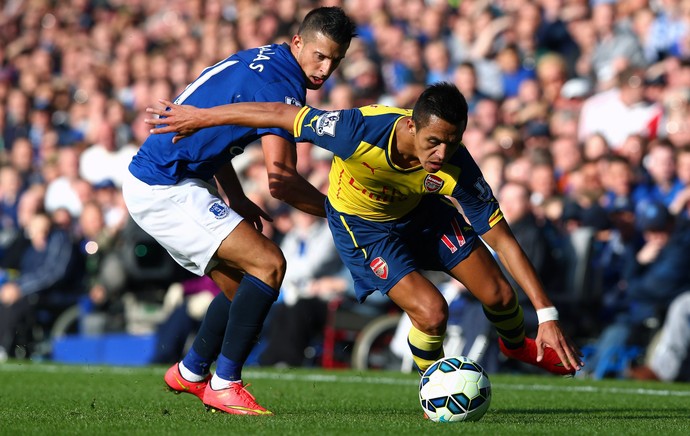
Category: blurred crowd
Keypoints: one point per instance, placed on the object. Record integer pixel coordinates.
(579, 119)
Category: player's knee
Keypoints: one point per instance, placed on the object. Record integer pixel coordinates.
(432, 319)
(272, 269)
(500, 296)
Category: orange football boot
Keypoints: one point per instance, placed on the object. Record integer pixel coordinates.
(235, 399)
(179, 384)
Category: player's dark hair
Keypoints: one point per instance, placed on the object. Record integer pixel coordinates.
(443, 100)
(331, 21)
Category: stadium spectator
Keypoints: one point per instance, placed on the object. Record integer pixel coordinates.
(48, 278)
(620, 111)
(618, 181)
(658, 273)
(542, 185)
(513, 72)
(662, 185)
(105, 160)
(68, 190)
(192, 298)
(10, 192)
(23, 158)
(465, 78)
(616, 47)
(552, 74)
(668, 357)
(437, 61)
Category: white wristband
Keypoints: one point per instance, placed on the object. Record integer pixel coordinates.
(547, 314)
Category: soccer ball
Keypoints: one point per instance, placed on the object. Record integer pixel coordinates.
(455, 389)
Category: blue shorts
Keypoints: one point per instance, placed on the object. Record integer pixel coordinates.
(434, 236)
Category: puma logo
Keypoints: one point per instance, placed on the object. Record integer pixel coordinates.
(372, 169)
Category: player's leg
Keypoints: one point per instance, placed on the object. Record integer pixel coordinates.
(482, 276)
(204, 235)
(263, 264)
(192, 374)
(428, 311)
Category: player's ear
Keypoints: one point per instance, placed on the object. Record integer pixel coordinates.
(297, 42)
(411, 126)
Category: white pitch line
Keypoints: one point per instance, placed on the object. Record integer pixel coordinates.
(332, 378)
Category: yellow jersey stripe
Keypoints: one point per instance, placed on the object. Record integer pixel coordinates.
(352, 235)
(495, 217)
(297, 125)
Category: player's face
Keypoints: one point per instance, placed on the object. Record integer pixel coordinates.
(436, 142)
(318, 56)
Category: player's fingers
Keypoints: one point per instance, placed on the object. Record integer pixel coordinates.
(155, 111)
(160, 130)
(166, 103)
(567, 356)
(540, 351)
(155, 121)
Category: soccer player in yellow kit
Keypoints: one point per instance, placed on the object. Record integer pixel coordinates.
(388, 208)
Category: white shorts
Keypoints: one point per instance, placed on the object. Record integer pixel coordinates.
(189, 219)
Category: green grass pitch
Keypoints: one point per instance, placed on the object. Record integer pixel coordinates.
(49, 399)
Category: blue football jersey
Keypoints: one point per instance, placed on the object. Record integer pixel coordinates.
(264, 74)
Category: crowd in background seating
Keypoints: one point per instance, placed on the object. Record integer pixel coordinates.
(579, 118)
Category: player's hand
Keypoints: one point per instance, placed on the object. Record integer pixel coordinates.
(551, 335)
(251, 212)
(184, 120)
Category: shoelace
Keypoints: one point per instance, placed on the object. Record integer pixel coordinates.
(245, 395)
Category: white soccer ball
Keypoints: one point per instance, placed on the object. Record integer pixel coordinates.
(455, 389)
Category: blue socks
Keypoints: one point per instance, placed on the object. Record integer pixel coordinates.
(231, 328)
(209, 340)
(250, 307)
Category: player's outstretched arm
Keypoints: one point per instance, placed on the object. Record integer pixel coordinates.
(501, 239)
(184, 120)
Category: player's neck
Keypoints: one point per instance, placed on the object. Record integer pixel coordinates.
(402, 148)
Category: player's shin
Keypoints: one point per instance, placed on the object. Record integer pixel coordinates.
(426, 349)
(249, 309)
(509, 323)
(209, 339)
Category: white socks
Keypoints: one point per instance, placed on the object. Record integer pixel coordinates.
(189, 375)
(218, 383)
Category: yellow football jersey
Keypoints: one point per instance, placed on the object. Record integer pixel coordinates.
(364, 181)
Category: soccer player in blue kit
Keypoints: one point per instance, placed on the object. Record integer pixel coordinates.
(172, 193)
(389, 211)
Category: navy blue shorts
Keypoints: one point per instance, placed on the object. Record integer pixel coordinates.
(434, 236)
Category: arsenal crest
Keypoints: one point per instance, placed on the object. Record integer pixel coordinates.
(380, 267)
(433, 183)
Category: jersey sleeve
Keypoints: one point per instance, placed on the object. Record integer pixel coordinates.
(278, 92)
(337, 131)
(474, 194)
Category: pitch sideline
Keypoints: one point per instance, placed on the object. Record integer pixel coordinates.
(330, 378)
